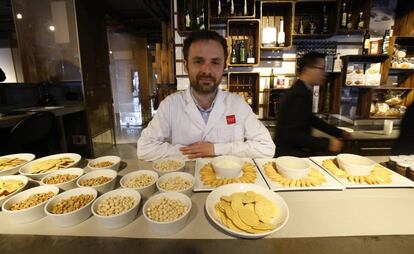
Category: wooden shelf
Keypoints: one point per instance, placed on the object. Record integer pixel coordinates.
(306, 10)
(393, 88)
(247, 84)
(350, 31)
(355, 7)
(379, 58)
(225, 10)
(312, 36)
(194, 8)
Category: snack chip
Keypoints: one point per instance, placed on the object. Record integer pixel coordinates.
(7, 163)
(9, 186)
(208, 175)
(52, 164)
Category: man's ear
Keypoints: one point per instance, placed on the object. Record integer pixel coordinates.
(185, 66)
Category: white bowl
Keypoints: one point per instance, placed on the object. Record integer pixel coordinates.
(30, 214)
(114, 159)
(145, 191)
(24, 156)
(226, 190)
(122, 219)
(102, 188)
(227, 166)
(65, 185)
(26, 169)
(354, 164)
(188, 191)
(292, 167)
(171, 227)
(24, 179)
(162, 172)
(74, 217)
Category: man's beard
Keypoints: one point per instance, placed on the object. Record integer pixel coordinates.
(204, 89)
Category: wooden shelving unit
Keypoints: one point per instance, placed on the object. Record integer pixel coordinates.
(355, 7)
(306, 10)
(247, 85)
(194, 8)
(225, 10)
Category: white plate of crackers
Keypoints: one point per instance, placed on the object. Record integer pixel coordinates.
(11, 185)
(39, 168)
(207, 180)
(317, 178)
(10, 164)
(379, 177)
(247, 210)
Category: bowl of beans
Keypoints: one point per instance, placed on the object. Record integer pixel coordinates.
(64, 179)
(117, 208)
(71, 207)
(105, 162)
(28, 205)
(177, 181)
(168, 165)
(102, 180)
(142, 181)
(168, 212)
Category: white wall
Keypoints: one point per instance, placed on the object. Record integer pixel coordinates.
(6, 64)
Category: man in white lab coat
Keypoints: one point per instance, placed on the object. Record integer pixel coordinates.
(204, 121)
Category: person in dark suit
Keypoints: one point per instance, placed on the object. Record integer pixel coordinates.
(405, 141)
(2, 75)
(295, 118)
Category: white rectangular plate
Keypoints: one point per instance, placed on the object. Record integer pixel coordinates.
(331, 183)
(398, 181)
(199, 185)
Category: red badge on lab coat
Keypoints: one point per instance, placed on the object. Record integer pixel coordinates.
(231, 119)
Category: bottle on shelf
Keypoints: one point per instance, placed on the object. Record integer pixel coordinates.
(187, 19)
(327, 103)
(349, 21)
(324, 20)
(250, 55)
(300, 29)
(281, 34)
(312, 26)
(367, 37)
(272, 79)
(269, 35)
(231, 7)
(386, 41)
(245, 8)
(202, 19)
(218, 7)
(344, 16)
(233, 58)
(360, 24)
(242, 52)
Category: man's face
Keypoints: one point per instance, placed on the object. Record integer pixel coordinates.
(205, 66)
(317, 72)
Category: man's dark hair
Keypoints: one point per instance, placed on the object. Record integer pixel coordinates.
(309, 60)
(204, 35)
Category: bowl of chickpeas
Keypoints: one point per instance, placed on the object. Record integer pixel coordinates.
(177, 181)
(105, 162)
(28, 205)
(168, 165)
(142, 181)
(102, 180)
(64, 179)
(71, 207)
(167, 212)
(117, 208)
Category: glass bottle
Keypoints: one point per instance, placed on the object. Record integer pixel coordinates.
(312, 26)
(360, 21)
(250, 55)
(233, 58)
(281, 34)
(349, 22)
(324, 20)
(218, 7)
(202, 19)
(245, 8)
(367, 37)
(272, 79)
(242, 52)
(231, 7)
(187, 20)
(343, 15)
(300, 29)
(386, 41)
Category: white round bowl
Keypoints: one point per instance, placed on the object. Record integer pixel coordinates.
(227, 166)
(162, 172)
(65, 185)
(26, 169)
(226, 190)
(102, 188)
(292, 167)
(74, 217)
(30, 214)
(188, 191)
(354, 164)
(145, 191)
(122, 219)
(171, 227)
(24, 179)
(24, 156)
(116, 160)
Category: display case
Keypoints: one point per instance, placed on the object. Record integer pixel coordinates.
(192, 16)
(246, 84)
(273, 14)
(233, 9)
(243, 42)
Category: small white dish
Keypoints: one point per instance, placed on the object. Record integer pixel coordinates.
(65, 185)
(292, 167)
(101, 188)
(227, 166)
(179, 165)
(23, 156)
(170, 227)
(355, 165)
(74, 217)
(187, 191)
(122, 219)
(32, 213)
(24, 180)
(145, 191)
(115, 160)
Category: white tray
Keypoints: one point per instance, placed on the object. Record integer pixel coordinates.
(331, 183)
(199, 185)
(398, 181)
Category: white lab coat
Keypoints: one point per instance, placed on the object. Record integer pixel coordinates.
(178, 123)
